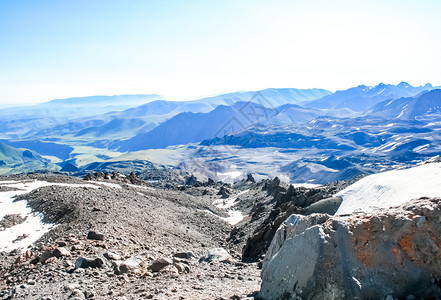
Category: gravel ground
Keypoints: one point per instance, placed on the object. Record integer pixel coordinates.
(137, 225)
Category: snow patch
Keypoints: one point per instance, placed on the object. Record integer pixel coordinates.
(8, 181)
(306, 185)
(421, 148)
(32, 227)
(235, 217)
(232, 174)
(229, 202)
(141, 187)
(391, 188)
(108, 184)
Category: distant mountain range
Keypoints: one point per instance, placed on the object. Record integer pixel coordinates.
(77, 107)
(384, 122)
(90, 118)
(191, 127)
(363, 97)
(15, 122)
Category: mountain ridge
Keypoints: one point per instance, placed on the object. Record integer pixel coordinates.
(363, 97)
(424, 104)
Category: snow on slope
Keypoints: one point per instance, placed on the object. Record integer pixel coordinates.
(234, 216)
(32, 228)
(391, 188)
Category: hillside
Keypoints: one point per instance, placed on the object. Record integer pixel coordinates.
(425, 105)
(15, 161)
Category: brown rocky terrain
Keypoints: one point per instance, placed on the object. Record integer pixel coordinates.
(133, 242)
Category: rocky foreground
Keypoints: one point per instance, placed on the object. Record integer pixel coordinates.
(126, 242)
(117, 237)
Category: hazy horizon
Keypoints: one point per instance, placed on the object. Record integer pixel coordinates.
(197, 97)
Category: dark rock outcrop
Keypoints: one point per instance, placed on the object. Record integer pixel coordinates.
(224, 192)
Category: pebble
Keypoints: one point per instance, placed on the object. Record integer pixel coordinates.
(31, 282)
(92, 235)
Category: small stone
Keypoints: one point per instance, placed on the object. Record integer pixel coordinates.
(71, 287)
(61, 251)
(112, 255)
(61, 244)
(76, 247)
(159, 264)
(89, 294)
(53, 252)
(216, 255)
(182, 268)
(31, 282)
(92, 235)
(120, 268)
(50, 260)
(185, 255)
(83, 262)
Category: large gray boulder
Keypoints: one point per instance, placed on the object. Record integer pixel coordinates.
(366, 256)
(216, 255)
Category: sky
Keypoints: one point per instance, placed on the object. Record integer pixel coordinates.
(189, 49)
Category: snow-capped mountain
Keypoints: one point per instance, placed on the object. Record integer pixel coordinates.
(362, 97)
(424, 105)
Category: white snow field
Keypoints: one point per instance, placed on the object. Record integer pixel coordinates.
(392, 188)
(32, 227)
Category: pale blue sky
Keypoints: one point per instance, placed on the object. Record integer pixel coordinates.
(185, 49)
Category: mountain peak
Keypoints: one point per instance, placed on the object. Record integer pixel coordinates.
(404, 84)
(428, 86)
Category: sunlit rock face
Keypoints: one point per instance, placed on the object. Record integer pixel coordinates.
(367, 255)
